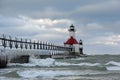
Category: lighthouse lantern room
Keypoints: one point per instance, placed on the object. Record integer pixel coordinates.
(73, 43)
(72, 31)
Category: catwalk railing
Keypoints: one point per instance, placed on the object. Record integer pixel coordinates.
(8, 41)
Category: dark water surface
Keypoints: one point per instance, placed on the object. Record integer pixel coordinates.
(96, 67)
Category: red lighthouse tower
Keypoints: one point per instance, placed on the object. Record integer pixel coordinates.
(73, 43)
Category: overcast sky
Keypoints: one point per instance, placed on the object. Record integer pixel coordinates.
(97, 22)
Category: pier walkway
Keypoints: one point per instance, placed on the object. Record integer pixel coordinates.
(9, 43)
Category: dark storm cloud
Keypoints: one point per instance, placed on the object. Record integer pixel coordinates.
(56, 8)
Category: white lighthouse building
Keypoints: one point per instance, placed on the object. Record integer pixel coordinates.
(77, 47)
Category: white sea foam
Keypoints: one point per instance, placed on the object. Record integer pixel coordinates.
(78, 59)
(54, 73)
(48, 63)
(79, 64)
(35, 62)
(113, 63)
(4, 72)
(62, 64)
(89, 64)
(42, 62)
(24, 64)
(113, 68)
(38, 73)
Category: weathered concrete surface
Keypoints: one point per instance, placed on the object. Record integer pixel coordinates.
(20, 59)
(3, 61)
(43, 56)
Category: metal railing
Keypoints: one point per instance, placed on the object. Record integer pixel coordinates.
(29, 44)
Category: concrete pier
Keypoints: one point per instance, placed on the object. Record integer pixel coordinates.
(3, 61)
(20, 59)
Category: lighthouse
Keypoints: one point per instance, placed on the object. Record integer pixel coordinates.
(72, 31)
(77, 47)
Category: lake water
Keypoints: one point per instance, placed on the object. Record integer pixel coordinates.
(94, 67)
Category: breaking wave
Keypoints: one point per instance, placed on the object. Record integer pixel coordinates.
(79, 64)
(112, 65)
(78, 59)
(111, 68)
(48, 62)
(42, 62)
(36, 62)
(36, 73)
(51, 62)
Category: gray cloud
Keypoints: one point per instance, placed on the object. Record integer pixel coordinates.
(96, 21)
(42, 29)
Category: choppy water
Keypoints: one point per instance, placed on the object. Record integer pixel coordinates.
(99, 67)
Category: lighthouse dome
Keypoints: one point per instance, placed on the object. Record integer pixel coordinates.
(72, 28)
